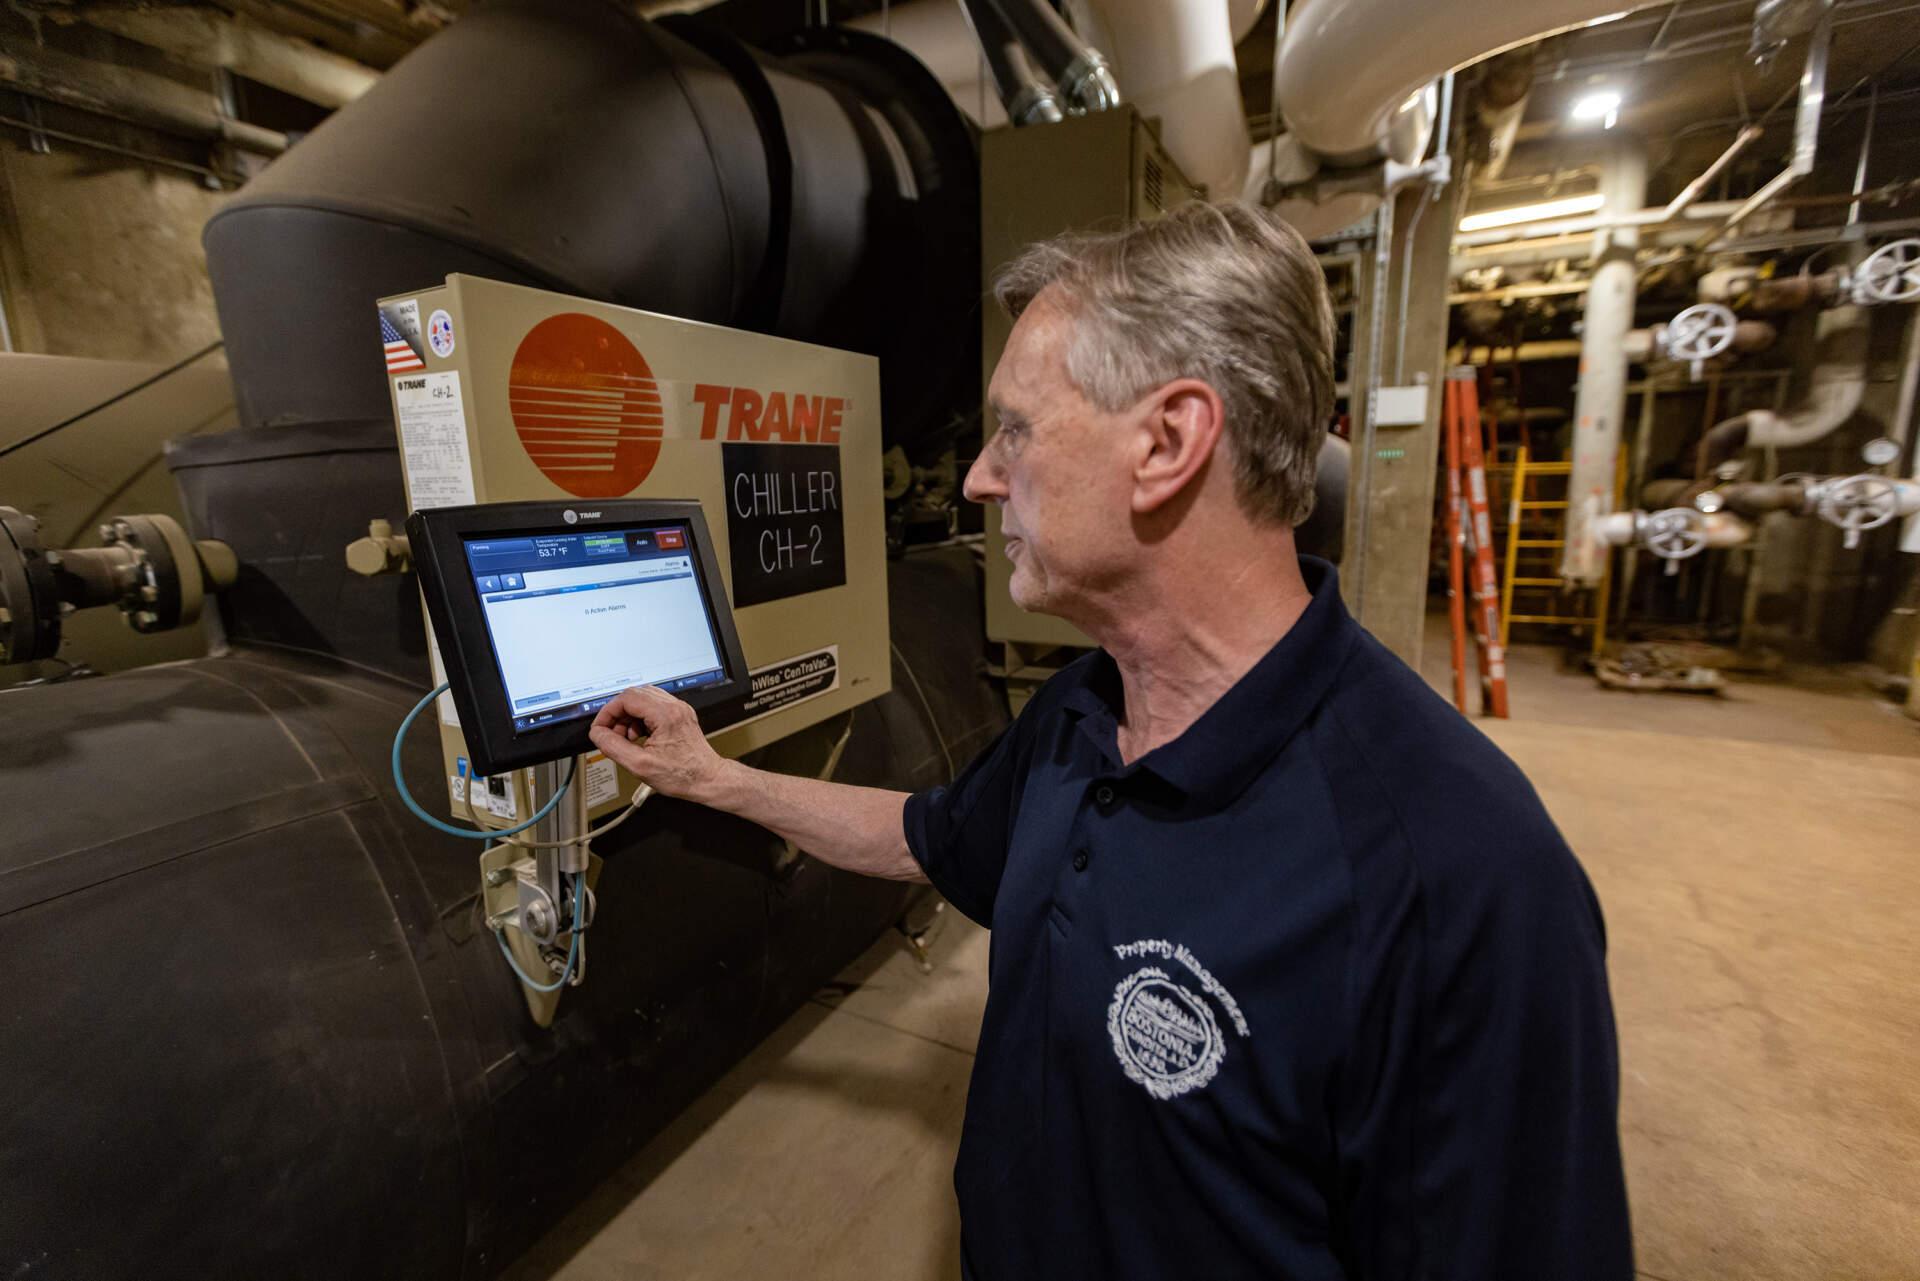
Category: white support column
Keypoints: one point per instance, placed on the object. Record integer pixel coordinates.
(1601, 400)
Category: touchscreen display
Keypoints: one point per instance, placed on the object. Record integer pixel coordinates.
(577, 617)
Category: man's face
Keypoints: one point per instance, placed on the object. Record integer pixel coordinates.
(1057, 467)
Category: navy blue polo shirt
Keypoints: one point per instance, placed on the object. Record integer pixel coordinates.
(1315, 990)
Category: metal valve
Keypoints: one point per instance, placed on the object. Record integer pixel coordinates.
(1673, 534)
(1857, 503)
(1698, 334)
(1890, 274)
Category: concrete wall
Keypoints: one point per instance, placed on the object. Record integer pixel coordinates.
(100, 256)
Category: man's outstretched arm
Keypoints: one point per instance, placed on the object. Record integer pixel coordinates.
(656, 738)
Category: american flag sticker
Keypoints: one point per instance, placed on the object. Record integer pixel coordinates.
(401, 354)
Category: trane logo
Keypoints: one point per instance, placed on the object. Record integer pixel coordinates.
(768, 416)
(586, 406)
(410, 384)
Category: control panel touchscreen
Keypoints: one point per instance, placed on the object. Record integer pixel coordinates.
(544, 612)
(576, 618)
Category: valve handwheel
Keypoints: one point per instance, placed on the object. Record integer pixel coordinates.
(1698, 334)
(1674, 534)
(1856, 503)
(1701, 332)
(1890, 274)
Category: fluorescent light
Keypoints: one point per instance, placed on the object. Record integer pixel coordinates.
(1602, 104)
(1532, 213)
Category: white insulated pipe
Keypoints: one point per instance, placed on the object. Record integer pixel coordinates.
(1833, 393)
(1600, 402)
(1347, 67)
(1619, 529)
(1174, 60)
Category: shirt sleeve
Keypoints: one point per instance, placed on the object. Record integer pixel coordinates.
(1477, 1121)
(959, 833)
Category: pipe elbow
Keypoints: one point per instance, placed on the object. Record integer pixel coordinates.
(1725, 439)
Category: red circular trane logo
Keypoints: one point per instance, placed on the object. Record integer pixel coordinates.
(586, 406)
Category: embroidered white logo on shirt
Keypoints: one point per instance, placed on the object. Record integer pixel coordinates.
(1164, 1034)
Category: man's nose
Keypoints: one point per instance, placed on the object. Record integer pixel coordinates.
(984, 483)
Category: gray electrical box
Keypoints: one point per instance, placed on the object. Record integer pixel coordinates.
(1102, 170)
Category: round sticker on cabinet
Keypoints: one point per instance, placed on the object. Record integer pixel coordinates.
(440, 334)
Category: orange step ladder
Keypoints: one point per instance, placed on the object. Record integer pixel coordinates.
(1470, 532)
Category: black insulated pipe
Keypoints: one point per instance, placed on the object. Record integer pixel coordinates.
(1070, 62)
(1026, 93)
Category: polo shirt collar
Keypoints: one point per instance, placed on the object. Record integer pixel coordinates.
(1221, 753)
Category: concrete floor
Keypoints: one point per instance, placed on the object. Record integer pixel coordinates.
(1757, 858)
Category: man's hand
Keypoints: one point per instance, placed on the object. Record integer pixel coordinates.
(656, 738)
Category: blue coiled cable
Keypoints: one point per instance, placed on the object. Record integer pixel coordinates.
(400, 736)
(499, 936)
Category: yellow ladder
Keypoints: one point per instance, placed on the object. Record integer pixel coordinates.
(1518, 505)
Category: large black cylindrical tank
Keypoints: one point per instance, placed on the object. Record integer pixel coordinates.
(255, 1024)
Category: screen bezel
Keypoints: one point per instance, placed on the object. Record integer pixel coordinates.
(439, 536)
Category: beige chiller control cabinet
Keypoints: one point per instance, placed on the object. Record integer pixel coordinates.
(508, 394)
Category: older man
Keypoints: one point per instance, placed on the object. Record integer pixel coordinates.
(1292, 976)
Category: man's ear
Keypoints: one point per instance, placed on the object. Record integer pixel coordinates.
(1179, 429)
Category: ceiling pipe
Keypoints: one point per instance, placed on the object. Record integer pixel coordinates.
(1691, 192)
(1506, 84)
(106, 91)
(1348, 67)
(206, 38)
(1806, 130)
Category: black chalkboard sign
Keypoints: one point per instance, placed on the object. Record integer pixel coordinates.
(786, 530)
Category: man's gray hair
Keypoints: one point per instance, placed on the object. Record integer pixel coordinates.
(1225, 293)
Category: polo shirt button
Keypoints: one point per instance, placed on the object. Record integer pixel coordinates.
(1079, 860)
(1104, 796)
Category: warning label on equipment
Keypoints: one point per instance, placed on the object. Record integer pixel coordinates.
(603, 780)
(778, 686)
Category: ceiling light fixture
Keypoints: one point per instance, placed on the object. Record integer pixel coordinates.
(1531, 213)
(1602, 105)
